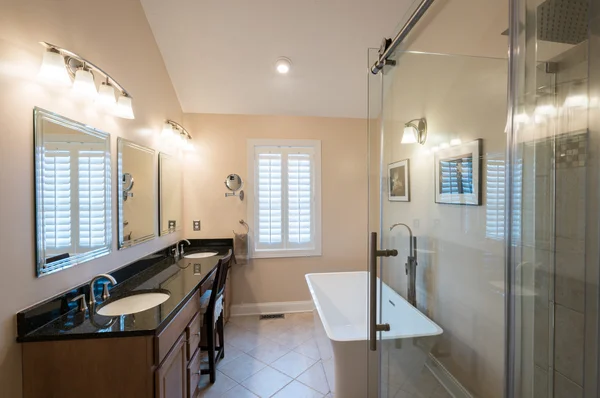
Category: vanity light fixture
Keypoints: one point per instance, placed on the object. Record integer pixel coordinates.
(175, 131)
(415, 131)
(283, 65)
(60, 66)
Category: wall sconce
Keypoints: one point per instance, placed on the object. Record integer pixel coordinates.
(178, 134)
(61, 66)
(415, 132)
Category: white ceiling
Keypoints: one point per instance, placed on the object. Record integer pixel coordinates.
(221, 54)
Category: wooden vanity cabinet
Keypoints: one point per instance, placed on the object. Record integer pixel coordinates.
(171, 375)
(165, 365)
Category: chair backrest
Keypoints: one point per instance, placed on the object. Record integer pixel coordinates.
(218, 285)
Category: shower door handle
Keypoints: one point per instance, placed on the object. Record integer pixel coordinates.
(374, 327)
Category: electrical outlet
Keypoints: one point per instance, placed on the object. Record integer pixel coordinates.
(197, 226)
(172, 224)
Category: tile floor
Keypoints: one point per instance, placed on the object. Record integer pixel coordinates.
(278, 358)
(269, 358)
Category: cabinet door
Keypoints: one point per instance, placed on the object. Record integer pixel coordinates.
(171, 377)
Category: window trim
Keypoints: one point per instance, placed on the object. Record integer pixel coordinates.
(250, 195)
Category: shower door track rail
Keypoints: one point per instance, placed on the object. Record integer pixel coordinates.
(404, 31)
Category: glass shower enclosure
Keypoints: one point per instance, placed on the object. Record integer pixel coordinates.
(503, 213)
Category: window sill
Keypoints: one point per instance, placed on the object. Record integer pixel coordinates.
(286, 254)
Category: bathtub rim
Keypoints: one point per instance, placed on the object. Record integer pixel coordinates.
(328, 331)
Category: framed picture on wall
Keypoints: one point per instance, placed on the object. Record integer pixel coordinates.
(458, 174)
(399, 181)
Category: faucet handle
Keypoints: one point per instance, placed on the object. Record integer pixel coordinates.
(105, 292)
(81, 304)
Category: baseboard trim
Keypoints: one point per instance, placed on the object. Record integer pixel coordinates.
(285, 307)
(452, 386)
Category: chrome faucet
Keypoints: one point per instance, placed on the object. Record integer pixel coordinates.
(179, 251)
(411, 265)
(105, 293)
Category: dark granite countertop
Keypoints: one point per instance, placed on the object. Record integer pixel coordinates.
(181, 279)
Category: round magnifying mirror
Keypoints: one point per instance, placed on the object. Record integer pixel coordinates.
(127, 182)
(233, 182)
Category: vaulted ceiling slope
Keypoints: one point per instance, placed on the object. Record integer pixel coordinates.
(221, 54)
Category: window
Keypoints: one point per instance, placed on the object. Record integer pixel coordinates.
(284, 198)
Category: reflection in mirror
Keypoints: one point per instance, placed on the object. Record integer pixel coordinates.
(72, 192)
(169, 181)
(137, 204)
(233, 182)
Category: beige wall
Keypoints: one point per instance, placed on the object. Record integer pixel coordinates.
(221, 150)
(460, 273)
(115, 35)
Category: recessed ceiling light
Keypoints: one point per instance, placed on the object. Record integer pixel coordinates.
(283, 65)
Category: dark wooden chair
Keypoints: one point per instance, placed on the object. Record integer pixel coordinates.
(212, 303)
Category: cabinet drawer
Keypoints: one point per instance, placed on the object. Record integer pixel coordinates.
(169, 335)
(193, 334)
(193, 374)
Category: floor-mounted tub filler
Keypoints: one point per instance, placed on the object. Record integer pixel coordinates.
(340, 300)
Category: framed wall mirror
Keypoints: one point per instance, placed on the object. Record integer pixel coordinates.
(72, 192)
(135, 193)
(170, 194)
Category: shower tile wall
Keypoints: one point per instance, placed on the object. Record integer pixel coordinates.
(560, 192)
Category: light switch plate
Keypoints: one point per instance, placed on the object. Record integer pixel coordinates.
(197, 226)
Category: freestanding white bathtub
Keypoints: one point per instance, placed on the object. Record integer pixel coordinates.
(340, 300)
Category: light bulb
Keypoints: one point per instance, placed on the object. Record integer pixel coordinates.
(283, 65)
(106, 97)
(455, 141)
(410, 135)
(53, 69)
(84, 85)
(124, 107)
(434, 149)
(444, 145)
(188, 146)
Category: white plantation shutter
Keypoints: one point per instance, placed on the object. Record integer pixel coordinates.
(286, 200)
(300, 198)
(56, 201)
(495, 182)
(92, 199)
(269, 211)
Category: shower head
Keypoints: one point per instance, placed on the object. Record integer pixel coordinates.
(563, 21)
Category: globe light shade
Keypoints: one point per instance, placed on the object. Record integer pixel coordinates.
(410, 135)
(106, 97)
(54, 70)
(124, 107)
(84, 85)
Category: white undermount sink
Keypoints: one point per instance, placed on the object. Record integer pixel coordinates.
(136, 302)
(200, 255)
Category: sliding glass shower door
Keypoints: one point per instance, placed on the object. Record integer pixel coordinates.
(437, 198)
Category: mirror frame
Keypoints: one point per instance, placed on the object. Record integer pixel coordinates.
(121, 142)
(161, 158)
(39, 116)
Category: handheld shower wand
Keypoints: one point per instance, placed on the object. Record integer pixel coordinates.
(411, 265)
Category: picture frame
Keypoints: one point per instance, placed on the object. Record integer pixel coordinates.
(399, 181)
(458, 174)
